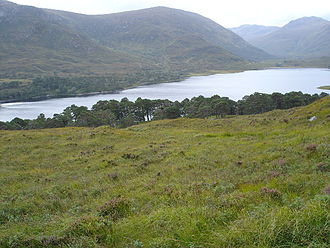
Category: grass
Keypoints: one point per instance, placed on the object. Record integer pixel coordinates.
(8, 80)
(248, 181)
(208, 73)
(324, 87)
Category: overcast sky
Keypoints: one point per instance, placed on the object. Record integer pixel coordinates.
(229, 13)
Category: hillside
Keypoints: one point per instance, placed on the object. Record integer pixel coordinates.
(150, 31)
(36, 41)
(304, 37)
(251, 32)
(248, 181)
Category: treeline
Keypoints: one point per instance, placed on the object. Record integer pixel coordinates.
(126, 113)
(54, 86)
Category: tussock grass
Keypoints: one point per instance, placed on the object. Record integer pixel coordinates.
(248, 181)
(324, 87)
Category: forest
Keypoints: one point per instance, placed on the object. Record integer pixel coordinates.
(126, 113)
(55, 86)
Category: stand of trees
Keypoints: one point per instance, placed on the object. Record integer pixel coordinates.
(54, 86)
(126, 113)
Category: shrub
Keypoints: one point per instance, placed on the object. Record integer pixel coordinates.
(115, 209)
(323, 167)
(273, 193)
(90, 226)
(130, 156)
(311, 147)
(282, 162)
(224, 188)
(327, 190)
(113, 176)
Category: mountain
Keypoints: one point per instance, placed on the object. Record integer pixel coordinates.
(304, 37)
(34, 40)
(153, 30)
(251, 32)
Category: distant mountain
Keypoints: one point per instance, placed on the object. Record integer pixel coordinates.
(304, 37)
(251, 32)
(34, 40)
(151, 31)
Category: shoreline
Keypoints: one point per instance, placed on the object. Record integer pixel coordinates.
(210, 73)
(324, 87)
(42, 98)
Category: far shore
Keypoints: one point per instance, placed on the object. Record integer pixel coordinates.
(189, 75)
(324, 88)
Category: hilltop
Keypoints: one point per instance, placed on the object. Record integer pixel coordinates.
(247, 181)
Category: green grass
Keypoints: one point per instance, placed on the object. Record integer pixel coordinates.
(324, 87)
(248, 181)
(208, 73)
(8, 80)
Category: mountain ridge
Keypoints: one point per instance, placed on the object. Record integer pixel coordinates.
(66, 42)
(171, 20)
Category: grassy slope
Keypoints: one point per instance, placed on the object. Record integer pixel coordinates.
(182, 183)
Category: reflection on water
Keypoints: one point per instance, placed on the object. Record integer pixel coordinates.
(233, 85)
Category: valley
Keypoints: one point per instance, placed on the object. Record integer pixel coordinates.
(232, 85)
(82, 54)
(135, 125)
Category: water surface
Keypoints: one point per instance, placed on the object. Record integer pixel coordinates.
(233, 85)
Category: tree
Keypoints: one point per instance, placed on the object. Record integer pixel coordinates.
(19, 123)
(278, 100)
(73, 113)
(221, 107)
(294, 99)
(255, 104)
(170, 112)
(38, 123)
(145, 108)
